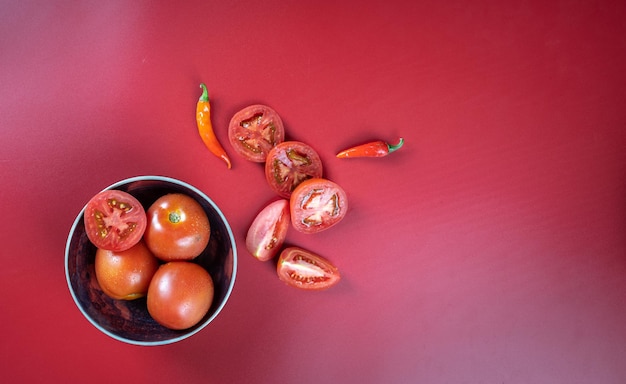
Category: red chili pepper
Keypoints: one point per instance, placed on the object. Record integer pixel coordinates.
(374, 149)
(205, 128)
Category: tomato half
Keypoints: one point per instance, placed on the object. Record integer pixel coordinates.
(178, 227)
(125, 275)
(180, 294)
(300, 268)
(114, 220)
(317, 204)
(289, 164)
(255, 130)
(269, 230)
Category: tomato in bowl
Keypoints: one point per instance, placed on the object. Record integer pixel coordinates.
(129, 320)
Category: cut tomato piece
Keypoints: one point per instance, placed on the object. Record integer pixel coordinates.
(114, 220)
(317, 204)
(269, 230)
(289, 164)
(254, 131)
(302, 269)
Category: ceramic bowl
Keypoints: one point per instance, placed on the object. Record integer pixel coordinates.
(129, 321)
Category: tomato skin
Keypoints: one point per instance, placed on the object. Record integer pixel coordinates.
(180, 294)
(289, 164)
(125, 275)
(178, 228)
(114, 220)
(254, 130)
(303, 269)
(269, 230)
(317, 204)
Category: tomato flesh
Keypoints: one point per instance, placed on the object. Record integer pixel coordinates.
(302, 269)
(289, 164)
(317, 204)
(180, 294)
(269, 230)
(254, 131)
(114, 220)
(178, 228)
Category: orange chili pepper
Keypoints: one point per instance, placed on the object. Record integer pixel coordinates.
(205, 128)
(374, 149)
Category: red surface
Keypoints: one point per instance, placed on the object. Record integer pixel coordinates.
(490, 249)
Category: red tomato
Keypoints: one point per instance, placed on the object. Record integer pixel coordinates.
(255, 130)
(303, 269)
(317, 204)
(178, 228)
(114, 220)
(125, 275)
(290, 163)
(268, 230)
(180, 294)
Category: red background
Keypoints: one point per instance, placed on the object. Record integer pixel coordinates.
(490, 249)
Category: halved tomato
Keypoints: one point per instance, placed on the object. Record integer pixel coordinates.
(302, 269)
(255, 130)
(289, 164)
(317, 204)
(269, 230)
(114, 220)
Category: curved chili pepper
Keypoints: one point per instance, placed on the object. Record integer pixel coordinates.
(374, 149)
(205, 128)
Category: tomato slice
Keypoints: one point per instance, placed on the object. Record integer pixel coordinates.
(269, 230)
(302, 269)
(255, 130)
(289, 164)
(317, 204)
(114, 220)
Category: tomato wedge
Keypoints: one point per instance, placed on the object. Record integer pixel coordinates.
(255, 130)
(289, 164)
(317, 204)
(114, 220)
(302, 269)
(269, 230)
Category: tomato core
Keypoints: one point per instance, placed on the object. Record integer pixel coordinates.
(114, 220)
(174, 217)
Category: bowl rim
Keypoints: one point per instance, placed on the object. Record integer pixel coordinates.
(217, 310)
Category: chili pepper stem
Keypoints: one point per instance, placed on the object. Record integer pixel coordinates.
(393, 148)
(205, 93)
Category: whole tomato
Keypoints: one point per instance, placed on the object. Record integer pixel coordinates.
(178, 228)
(180, 294)
(125, 275)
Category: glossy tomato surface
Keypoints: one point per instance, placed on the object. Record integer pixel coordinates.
(303, 269)
(178, 227)
(269, 230)
(255, 130)
(125, 275)
(180, 294)
(317, 204)
(114, 220)
(289, 164)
